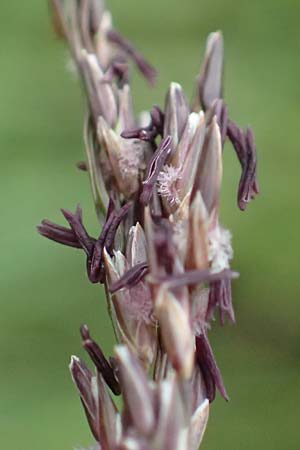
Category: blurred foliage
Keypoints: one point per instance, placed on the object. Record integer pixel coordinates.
(45, 295)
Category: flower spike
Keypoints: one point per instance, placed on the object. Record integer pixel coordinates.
(161, 253)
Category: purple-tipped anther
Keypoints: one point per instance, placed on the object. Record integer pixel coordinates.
(99, 360)
(117, 218)
(220, 297)
(118, 70)
(106, 239)
(245, 148)
(157, 119)
(59, 234)
(193, 277)
(131, 278)
(220, 110)
(209, 368)
(96, 269)
(149, 133)
(145, 68)
(75, 222)
(78, 237)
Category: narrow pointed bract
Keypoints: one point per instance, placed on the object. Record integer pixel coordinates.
(161, 250)
(170, 434)
(107, 415)
(137, 394)
(211, 79)
(209, 175)
(176, 332)
(198, 425)
(83, 379)
(176, 112)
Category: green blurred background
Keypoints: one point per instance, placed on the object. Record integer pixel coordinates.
(45, 294)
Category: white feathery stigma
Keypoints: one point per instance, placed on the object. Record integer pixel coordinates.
(166, 181)
(219, 248)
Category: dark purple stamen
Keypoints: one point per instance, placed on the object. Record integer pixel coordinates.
(243, 143)
(155, 204)
(78, 237)
(147, 134)
(245, 148)
(157, 119)
(220, 297)
(155, 165)
(131, 278)
(146, 69)
(115, 222)
(59, 234)
(118, 70)
(99, 360)
(111, 207)
(150, 132)
(75, 222)
(220, 110)
(191, 277)
(86, 241)
(96, 272)
(106, 239)
(210, 386)
(208, 365)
